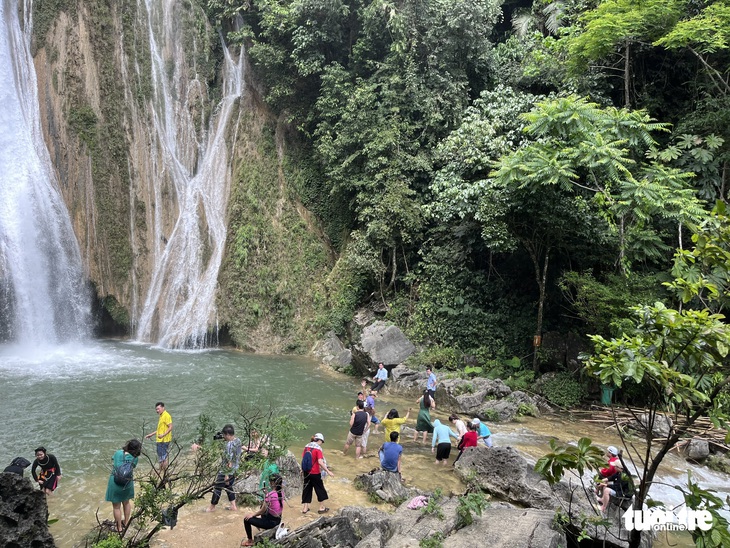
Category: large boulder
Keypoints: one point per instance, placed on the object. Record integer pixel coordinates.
(384, 343)
(332, 352)
(288, 467)
(504, 473)
(23, 514)
(661, 427)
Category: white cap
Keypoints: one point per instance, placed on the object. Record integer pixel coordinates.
(476, 421)
(612, 450)
(319, 437)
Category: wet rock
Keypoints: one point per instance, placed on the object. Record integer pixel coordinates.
(383, 343)
(497, 410)
(23, 514)
(695, 449)
(332, 352)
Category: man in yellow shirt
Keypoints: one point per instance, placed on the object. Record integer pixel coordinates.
(163, 433)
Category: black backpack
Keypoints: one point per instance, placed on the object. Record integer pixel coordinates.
(307, 461)
(123, 474)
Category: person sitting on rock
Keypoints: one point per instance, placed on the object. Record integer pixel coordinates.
(379, 380)
(612, 483)
(390, 454)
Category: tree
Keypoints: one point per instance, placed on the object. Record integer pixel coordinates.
(680, 360)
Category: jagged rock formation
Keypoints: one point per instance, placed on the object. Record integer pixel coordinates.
(23, 514)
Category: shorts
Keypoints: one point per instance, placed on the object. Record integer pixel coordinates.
(353, 438)
(374, 419)
(443, 450)
(487, 441)
(163, 448)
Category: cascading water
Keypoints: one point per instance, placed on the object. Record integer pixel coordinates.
(43, 296)
(179, 308)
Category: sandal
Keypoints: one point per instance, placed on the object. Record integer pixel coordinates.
(247, 542)
(305, 511)
(324, 511)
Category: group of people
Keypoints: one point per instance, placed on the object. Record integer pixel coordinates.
(45, 469)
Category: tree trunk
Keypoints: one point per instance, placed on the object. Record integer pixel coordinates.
(627, 75)
(541, 278)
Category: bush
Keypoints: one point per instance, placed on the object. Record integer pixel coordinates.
(562, 389)
(437, 357)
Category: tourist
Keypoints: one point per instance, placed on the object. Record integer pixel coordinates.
(50, 470)
(17, 466)
(390, 454)
(392, 422)
(423, 421)
(256, 445)
(121, 495)
(483, 431)
(163, 434)
(469, 439)
(231, 459)
(359, 423)
(370, 408)
(380, 377)
(441, 444)
(269, 515)
(611, 484)
(313, 477)
(459, 425)
(360, 398)
(431, 382)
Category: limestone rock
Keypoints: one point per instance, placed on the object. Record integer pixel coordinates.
(332, 352)
(527, 529)
(695, 449)
(23, 514)
(385, 485)
(661, 428)
(290, 471)
(384, 343)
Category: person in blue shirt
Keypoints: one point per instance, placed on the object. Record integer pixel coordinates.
(441, 443)
(390, 454)
(380, 377)
(431, 382)
(483, 432)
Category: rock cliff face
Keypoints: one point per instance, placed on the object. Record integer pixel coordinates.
(107, 131)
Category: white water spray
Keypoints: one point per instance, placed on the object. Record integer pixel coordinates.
(179, 308)
(43, 296)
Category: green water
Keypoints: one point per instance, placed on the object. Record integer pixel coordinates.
(83, 403)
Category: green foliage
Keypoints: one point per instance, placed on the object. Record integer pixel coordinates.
(578, 458)
(603, 305)
(512, 372)
(437, 357)
(527, 410)
(696, 498)
(433, 541)
(469, 504)
(112, 541)
(433, 506)
(563, 389)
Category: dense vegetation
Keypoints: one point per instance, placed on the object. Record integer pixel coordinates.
(491, 174)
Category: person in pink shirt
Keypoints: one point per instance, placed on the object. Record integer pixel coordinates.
(269, 515)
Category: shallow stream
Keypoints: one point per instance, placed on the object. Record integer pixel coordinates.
(84, 402)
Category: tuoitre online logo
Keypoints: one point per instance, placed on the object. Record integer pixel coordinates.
(656, 519)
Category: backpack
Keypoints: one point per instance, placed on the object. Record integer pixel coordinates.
(123, 474)
(307, 461)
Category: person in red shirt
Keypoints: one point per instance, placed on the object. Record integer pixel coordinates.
(313, 478)
(469, 439)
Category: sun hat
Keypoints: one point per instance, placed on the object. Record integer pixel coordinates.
(476, 421)
(612, 450)
(319, 437)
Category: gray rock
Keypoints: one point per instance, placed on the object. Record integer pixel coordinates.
(385, 485)
(332, 352)
(23, 514)
(504, 473)
(509, 528)
(384, 343)
(661, 428)
(497, 410)
(695, 449)
(290, 471)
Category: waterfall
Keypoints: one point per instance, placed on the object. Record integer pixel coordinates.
(43, 295)
(179, 308)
